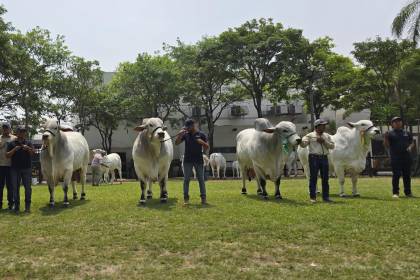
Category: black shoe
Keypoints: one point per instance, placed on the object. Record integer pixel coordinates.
(409, 195)
(327, 200)
(28, 210)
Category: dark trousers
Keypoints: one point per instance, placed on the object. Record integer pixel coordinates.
(318, 164)
(401, 167)
(6, 181)
(188, 173)
(25, 176)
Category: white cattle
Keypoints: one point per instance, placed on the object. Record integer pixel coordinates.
(351, 148)
(349, 154)
(64, 154)
(217, 163)
(112, 162)
(261, 149)
(291, 163)
(206, 162)
(152, 156)
(236, 170)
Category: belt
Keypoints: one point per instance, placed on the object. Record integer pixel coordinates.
(318, 156)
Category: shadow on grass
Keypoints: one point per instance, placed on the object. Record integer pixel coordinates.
(59, 207)
(155, 203)
(362, 197)
(272, 199)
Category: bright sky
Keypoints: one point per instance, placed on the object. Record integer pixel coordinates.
(116, 31)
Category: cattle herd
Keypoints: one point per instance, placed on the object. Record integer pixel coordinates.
(262, 152)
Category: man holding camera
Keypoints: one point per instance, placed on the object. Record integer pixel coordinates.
(195, 142)
(20, 151)
(5, 162)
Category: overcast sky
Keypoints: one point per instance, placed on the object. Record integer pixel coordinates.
(116, 31)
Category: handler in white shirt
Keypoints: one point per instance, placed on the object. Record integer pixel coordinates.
(319, 143)
(5, 163)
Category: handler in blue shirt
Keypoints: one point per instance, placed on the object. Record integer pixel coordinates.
(195, 143)
(400, 144)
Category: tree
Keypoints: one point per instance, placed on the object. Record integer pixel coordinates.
(207, 83)
(106, 115)
(37, 55)
(317, 75)
(378, 80)
(250, 51)
(84, 80)
(149, 86)
(408, 19)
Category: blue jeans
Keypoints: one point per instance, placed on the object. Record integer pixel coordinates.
(401, 167)
(25, 176)
(318, 164)
(188, 173)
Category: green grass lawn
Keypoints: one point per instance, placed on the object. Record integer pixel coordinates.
(235, 237)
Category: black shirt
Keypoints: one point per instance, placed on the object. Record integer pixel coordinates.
(193, 150)
(21, 159)
(399, 140)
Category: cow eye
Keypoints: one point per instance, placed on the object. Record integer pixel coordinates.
(150, 125)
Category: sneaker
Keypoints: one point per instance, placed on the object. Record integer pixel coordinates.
(327, 200)
(186, 202)
(395, 196)
(313, 200)
(409, 195)
(203, 201)
(27, 210)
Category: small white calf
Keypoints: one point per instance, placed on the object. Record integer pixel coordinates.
(236, 170)
(217, 163)
(111, 163)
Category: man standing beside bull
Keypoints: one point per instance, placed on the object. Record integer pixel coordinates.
(195, 142)
(400, 144)
(20, 151)
(319, 143)
(5, 162)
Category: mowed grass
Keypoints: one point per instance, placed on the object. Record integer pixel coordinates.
(236, 237)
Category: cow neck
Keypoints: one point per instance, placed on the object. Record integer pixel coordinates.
(361, 140)
(271, 140)
(148, 145)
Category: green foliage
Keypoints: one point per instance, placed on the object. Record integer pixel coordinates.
(408, 19)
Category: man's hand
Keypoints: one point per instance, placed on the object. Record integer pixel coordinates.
(320, 140)
(26, 148)
(178, 139)
(203, 143)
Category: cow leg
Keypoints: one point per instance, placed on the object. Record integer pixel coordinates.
(224, 172)
(354, 184)
(112, 177)
(263, 189)
(277, 189)
(73, 185)
(142, 196)
(83, 172)
(340, 176)
(163, 191)
(120, 175)
(195, 174)
(51, 188)
(149, 190)
(259, 189)
(218, 172)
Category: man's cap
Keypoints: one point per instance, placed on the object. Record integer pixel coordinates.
(394, 119)
(189, 123)
(20, 128)
(320, 122)
(5, 125)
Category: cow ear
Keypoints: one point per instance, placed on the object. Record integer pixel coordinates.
(351, 124)
(269, 130)
(140, 127)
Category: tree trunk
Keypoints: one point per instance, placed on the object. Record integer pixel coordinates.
(211, 137)
(258, 99)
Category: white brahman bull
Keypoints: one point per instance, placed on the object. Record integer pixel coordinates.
(64, 154)
(352, 145)
(152, 156)
(217, 163)
(206, 162)
(236, 170)
(261, 149)
(112, 162)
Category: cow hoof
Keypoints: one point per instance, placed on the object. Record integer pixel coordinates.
(51, 204)
(163, 200)
(75, 196)
(318, 192)
(83, 196)
(265, 197)
(278, 196)
(66, 204)
(142, 202)
(244, 192)
(342, 195)
(356, 195)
